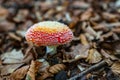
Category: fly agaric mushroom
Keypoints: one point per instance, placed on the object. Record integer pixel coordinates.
(50, 34)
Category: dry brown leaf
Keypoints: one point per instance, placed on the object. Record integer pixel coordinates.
(94, 56)
(107, 55)
(80, 51)
(116, 30)
(28, 54)
(86, 15)
(100, 27)
(44, 66)
(43, 70)
(19, 73)
(116, 67)
(3, 13)
(33, 69)
(12, 57)
(21, 15)
(0, 62)
(45, 75)
(73, 23)
(109, 16)
(7, 69)
(83, 39)
(6, 26)
(80, 4)
(90, 30)
(28, 58)
(106, 36)
(56, 68)
(15, 37)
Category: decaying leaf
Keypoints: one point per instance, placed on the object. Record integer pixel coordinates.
(80, 4)
(43, 70)
(86, 15)
(19, 73)
(4, 26)
(83, 39)
(107, 55)
(32, 70)
(21, 15)
(94, 56)
(3, 13)
(96, 28)
(7, 69)
(15, 37)
(116, 67)
(45, 75)
(12, 57)
(80, 51)
(56, 68)
(110, 17)
(44, 65)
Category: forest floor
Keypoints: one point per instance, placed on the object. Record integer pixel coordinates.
(93, 54)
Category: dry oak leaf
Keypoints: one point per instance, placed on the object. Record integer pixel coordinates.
(45, 75)
(116, 67)
(15, 56)
(80, 51)
(6, 26)
(86, 15)
(33, 70)
(19, 73)
(56, 68)
(94, 56)
(7, 69)
(3, 13)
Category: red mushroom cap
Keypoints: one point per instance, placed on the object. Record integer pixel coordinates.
(49, 33)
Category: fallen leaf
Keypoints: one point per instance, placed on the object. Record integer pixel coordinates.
(80, 4)
(107, 55)
(109, 16)
(22, 14)
(116, 67)
(6, 26)
(3, 13)
(45, 75)
(94, 56)
(15, 37)
(44, 65)
(12, 57)
(80, 51)
(19, 73)
(86, 15)
(83, 39)
(32, 70)
(56, 68)
(7, 69)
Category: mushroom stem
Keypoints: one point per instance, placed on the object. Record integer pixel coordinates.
(51, 49)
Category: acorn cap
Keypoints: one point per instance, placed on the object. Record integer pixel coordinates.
(49, 33)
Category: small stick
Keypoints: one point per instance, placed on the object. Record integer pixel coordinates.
(92, 68)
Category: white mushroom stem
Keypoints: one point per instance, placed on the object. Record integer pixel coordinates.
(51, 50)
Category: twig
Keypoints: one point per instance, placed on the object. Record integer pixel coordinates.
(92, 68)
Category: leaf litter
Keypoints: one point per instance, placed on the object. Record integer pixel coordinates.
(93, 54)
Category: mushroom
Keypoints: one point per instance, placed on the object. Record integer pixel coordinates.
(49, 34)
